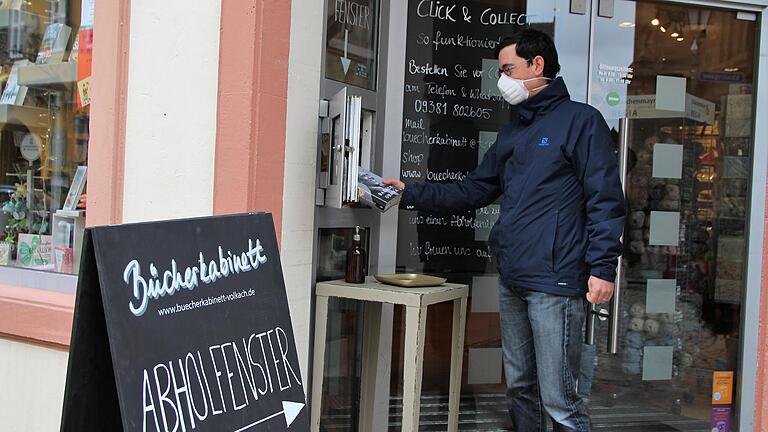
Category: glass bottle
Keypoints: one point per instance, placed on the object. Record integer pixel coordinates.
(355, 261)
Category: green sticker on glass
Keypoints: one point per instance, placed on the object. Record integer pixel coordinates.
(613, 98)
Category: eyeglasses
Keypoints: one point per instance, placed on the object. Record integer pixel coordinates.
(509, 67)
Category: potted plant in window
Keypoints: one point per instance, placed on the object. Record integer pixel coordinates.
(15, 212)
(7, 249)
(24, 232)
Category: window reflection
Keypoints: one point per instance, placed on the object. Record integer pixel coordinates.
(45, 64)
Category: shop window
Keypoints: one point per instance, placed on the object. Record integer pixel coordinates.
(45, 69)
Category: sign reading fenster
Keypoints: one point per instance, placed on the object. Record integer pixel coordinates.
(183, 325)
(351, 45)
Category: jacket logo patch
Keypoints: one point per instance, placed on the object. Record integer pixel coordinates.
(544, 142)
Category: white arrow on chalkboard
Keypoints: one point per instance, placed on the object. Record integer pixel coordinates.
(344, 60)
(290, 409)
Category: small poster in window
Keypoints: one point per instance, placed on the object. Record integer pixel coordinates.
(62, 259)
(35, 251)
(6, 250)
(721, 419)
(78, 183)
(84, 92)
(722, 387)
(84, 59)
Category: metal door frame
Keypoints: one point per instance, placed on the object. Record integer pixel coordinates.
(385, 159)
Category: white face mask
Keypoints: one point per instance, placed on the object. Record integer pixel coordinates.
(514, 90)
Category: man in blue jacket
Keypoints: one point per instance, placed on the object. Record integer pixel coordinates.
(557, 240)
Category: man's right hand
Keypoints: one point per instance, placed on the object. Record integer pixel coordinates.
(394, 182)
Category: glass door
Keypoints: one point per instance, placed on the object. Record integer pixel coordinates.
(675, 83)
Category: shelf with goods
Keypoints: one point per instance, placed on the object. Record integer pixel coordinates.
(731, 199)
(36, 94)
(13, 18)
(23, 116)
(51, 76)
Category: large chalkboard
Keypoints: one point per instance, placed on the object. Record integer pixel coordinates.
(183, 325)
(452, 111)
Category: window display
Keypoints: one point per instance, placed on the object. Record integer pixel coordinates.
(45, 68)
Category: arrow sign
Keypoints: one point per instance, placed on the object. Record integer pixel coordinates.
(344, 60)
(291, 410)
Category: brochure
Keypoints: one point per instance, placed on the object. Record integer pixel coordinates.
(372, 191)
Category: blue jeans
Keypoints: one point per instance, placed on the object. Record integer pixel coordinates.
(587, 373)
(542, 339)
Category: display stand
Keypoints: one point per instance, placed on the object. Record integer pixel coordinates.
(416, 301)
(68, 228)
(48, 76)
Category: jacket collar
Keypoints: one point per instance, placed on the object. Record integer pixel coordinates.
(543, 102)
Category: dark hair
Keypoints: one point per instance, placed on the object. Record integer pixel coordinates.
(530, 43)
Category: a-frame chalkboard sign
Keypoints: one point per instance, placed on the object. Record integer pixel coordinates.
(183, 326)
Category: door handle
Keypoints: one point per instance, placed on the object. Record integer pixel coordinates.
(594, 314)
(614, 311)
(614, 331)
(615, 314)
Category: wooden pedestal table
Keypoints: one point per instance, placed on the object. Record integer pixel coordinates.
(416, 301)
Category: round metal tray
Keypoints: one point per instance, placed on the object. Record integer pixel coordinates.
(410, 280)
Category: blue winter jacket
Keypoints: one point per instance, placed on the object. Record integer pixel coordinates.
(562, 214)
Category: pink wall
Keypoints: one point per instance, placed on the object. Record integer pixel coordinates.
(106, 149)
(761, 396)
(253, 96)
(36, 315)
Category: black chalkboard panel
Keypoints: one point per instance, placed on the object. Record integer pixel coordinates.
(183, 325)
(451, 112)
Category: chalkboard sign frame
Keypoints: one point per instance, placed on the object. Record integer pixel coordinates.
(117, 331)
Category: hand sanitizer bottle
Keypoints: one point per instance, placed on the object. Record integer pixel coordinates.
(355, 261)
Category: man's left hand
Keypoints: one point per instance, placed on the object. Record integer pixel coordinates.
(600, 291)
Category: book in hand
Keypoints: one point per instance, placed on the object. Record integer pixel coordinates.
(372, 191)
